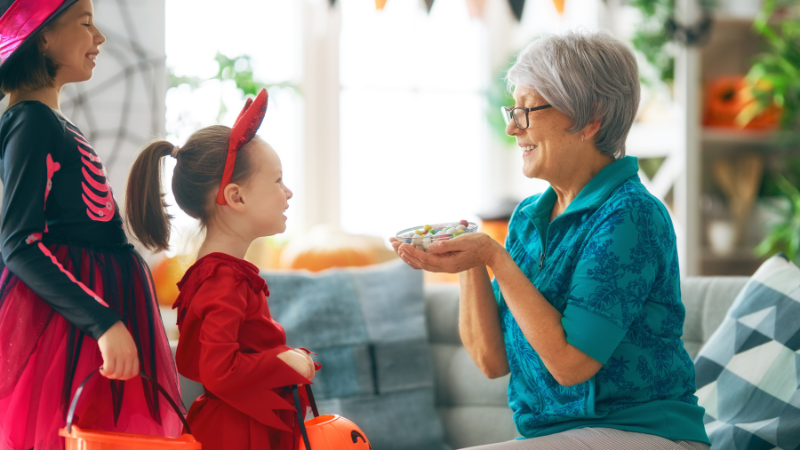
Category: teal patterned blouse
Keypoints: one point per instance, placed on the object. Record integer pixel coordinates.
(609, 264)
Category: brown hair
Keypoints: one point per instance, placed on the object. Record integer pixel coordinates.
(195, 182)
(30, 69)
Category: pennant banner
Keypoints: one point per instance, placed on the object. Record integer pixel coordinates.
(428, 5)
(516, 7)
(379, 4)
(476, 8)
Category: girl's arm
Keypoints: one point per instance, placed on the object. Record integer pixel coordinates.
(31, 154)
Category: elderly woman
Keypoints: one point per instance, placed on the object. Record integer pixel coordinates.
(585, 309)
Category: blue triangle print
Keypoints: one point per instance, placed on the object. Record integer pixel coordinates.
(747, 338)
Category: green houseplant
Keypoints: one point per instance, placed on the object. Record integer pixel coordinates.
(775, 73)
(775, 80)
(240, 70)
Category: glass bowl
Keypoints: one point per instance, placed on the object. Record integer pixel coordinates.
(422, 236)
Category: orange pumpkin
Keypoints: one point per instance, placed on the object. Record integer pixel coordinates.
(334, 432)
(324, 248)
(166, 275)
(727, 98)
(321, 258)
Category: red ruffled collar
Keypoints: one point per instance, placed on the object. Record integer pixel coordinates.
(204, 268)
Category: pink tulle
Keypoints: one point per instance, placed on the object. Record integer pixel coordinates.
(35, 358)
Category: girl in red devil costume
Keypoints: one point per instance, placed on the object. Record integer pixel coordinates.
(231, 181)
(74, 295)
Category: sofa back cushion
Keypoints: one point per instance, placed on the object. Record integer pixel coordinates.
(368, 327)
(706, 300)
(747, 373)
(473, 408)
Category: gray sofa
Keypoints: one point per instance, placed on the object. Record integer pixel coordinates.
(474, 409)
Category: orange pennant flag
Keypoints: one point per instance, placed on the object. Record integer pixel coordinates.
(379, 4)
(559, 6)
(475, 8)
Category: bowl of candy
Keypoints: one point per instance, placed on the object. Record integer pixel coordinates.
(422, 236)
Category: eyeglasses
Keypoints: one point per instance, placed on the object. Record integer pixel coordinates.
(519, 115)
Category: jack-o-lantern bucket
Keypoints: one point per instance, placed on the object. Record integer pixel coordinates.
(328, 432)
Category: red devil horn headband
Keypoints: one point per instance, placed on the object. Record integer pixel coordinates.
(244, 129)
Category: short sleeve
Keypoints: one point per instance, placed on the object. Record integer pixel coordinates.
(614, 275)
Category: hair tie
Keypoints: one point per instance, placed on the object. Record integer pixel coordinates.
(174, 152)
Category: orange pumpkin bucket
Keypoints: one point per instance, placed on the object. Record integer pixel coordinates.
(328, 432)
(77, 439)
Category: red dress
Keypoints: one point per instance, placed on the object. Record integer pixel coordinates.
(229, 343)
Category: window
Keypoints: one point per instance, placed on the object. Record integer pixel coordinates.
(267, 31)
(412, 114)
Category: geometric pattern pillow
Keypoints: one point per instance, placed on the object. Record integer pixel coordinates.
(748, 371)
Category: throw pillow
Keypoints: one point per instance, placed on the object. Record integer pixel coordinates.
(368, 327)
(748, 372)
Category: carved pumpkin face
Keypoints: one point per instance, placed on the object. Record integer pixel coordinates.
(333, 432)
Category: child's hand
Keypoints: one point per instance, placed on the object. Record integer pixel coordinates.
(299, 361)
(312, 366)
(120, 356)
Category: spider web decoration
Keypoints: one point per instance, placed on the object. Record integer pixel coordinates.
(122, 106)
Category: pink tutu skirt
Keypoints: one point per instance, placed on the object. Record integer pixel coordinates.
(43, 357)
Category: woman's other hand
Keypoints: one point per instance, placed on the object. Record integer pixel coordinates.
(397, 244)
(119, 352)
(300, 361)
(451, 256)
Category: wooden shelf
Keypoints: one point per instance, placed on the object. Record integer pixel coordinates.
(739, 254)
(719, 135)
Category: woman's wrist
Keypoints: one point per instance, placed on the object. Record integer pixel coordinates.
(496, 253)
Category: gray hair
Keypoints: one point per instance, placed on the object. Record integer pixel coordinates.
(587, 76)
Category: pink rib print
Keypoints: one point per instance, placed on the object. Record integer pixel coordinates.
(52, 168)
(96, 194)
(70, 276)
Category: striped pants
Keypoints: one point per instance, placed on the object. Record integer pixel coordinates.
(595, 439)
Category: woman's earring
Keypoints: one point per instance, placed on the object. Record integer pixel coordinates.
(583, 136)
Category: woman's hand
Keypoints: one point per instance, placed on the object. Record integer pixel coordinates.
(300, 361)
(451, 256)
(119, 352)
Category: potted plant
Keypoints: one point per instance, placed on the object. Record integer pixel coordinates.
(775, 80)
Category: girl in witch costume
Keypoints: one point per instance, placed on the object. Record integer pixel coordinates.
(231, 181)
(74, 295)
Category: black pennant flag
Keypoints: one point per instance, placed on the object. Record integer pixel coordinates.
(517, 6)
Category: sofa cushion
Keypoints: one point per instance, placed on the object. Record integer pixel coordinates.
(474, 409)
(706, 300)
(747, 373)
(368, 327)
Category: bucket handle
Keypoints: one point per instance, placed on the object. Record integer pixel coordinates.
(71, 412)
(300, 411)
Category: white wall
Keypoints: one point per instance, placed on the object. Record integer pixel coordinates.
(122, 106)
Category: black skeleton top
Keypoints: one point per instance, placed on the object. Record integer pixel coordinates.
(55, 190)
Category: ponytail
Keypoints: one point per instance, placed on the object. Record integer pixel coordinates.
(195, 181)
(145, 206)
